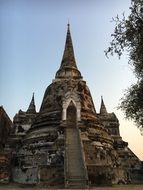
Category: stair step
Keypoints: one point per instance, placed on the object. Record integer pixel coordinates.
(75, 167)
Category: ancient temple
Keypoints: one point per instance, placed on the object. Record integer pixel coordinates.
(67, 143)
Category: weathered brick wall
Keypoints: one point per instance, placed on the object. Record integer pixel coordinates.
(25, 175)
(136, 175)
(51, 175)
(4, 168)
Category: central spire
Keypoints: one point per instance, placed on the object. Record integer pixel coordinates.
(68, 68)
(68, 56)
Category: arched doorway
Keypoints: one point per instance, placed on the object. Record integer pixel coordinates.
(71, 115)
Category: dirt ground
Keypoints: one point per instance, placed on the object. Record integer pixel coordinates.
(120, 187)
(117, 187)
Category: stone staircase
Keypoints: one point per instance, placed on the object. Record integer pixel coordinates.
(75, 169)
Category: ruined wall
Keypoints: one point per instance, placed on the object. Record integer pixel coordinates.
(5, 127)
(25, 175)
(22, 122)
(136, 175)
(5, 170)
(99, 175)
(34, 160)
(119, 176)
(51, 175)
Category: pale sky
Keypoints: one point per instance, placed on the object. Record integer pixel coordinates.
(32, 39)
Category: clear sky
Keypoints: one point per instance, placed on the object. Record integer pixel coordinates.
(32, 39)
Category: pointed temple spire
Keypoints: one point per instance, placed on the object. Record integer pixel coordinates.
(68, 68)
(31, 109)
(103, 110)
(68, 56)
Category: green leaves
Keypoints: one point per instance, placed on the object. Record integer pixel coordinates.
(128, 35)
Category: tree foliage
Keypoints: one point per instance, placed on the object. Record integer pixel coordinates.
(128, 36)
(132, 103)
